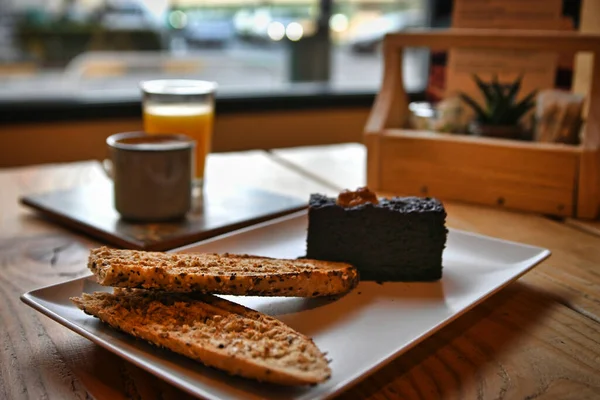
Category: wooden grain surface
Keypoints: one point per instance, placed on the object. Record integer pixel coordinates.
(538, 338)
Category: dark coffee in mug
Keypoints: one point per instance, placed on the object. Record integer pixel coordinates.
(152, 140)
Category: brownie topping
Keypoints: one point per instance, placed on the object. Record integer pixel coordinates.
(362, 195)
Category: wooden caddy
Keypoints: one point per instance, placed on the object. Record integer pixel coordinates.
(552, 179)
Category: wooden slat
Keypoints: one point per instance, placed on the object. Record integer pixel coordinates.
(588, 200)
(487, 142)
(391, 102)
(525, 178)
(551, 41)
(373, 166)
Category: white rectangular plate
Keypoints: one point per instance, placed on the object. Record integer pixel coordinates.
(360, 332)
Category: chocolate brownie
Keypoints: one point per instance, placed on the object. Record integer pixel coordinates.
(395, 239)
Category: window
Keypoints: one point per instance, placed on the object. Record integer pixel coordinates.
(98, 50)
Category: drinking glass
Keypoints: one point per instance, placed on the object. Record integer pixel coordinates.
(182, 106)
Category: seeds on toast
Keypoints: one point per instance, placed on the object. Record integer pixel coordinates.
(214, 331)
(221, 273)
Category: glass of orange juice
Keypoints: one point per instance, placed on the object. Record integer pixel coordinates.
(183, 106)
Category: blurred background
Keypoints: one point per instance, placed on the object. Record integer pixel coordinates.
(102, 48)
(290, 72)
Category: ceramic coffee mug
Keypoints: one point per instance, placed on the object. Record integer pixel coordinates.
(152, 175)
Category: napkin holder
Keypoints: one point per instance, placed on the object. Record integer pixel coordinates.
(548, 178)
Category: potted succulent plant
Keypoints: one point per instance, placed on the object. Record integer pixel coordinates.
(502, 114)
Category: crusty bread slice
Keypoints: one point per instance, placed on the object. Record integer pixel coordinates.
(214, 331)
(221, 273)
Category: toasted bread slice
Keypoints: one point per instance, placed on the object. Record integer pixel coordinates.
(221, 273)
(214, 331)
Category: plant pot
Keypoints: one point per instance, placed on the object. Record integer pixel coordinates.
(496, 131)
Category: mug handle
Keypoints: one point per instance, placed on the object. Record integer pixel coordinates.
(107, 166)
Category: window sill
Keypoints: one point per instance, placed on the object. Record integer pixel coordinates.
(106, 106)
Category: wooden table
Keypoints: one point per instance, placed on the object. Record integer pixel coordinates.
(538, 338)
